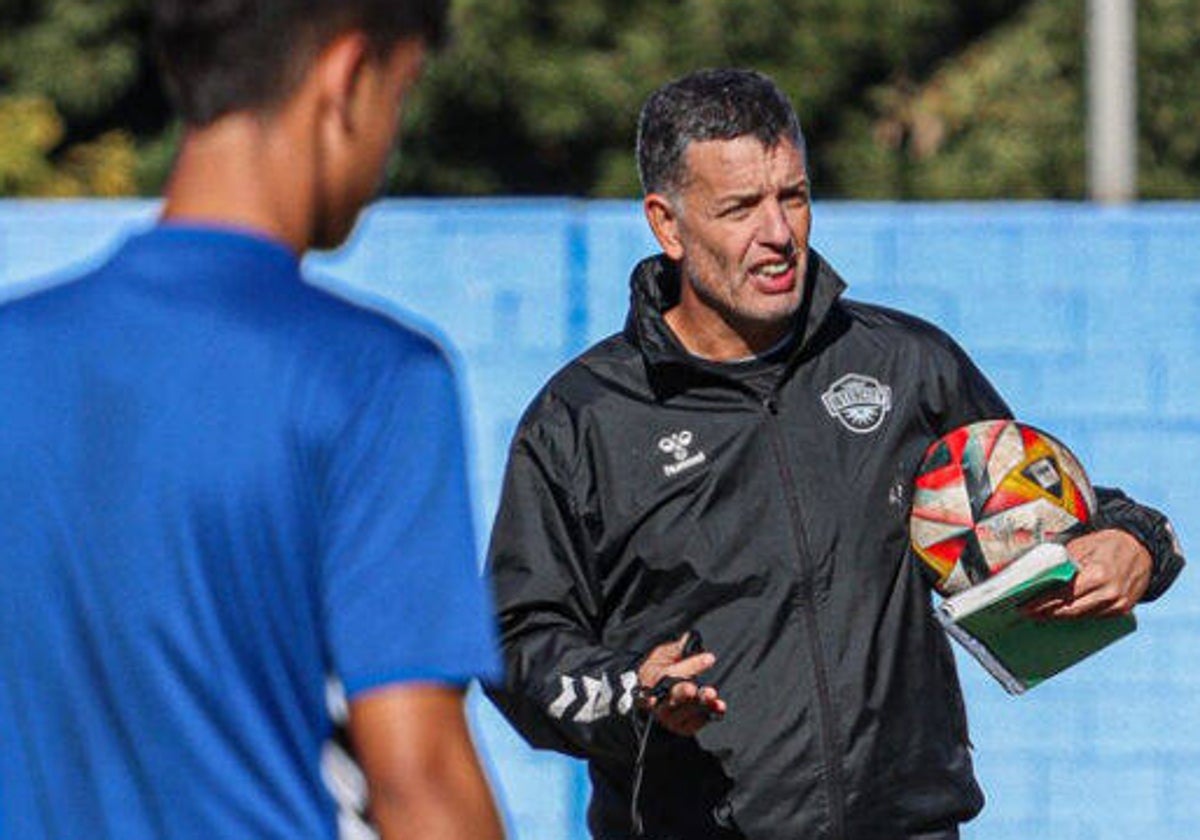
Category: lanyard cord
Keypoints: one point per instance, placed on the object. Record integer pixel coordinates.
(693, 645)
(639, 770)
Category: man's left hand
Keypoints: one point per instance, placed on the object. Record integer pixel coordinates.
(1114, 571)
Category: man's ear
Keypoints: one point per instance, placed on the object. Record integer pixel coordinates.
(664, 223)
(338, 74)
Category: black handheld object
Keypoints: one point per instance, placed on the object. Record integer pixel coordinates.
(693, 645)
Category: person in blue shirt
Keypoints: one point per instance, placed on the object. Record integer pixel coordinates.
(220, 486)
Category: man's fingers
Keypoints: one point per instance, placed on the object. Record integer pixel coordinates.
(691, 697)
(1098, 593)
(1112, 576)
(692, 714)
(683, 693)
(712, 702)
(666, 654)
(684, 670)
(1070, 609)
(680, 703)
(666, 660)
(1097, 598)
(693, 665)
(1060, 596)
(1116, 559)
(687, 695)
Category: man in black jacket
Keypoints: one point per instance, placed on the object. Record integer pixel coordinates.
(699, 476)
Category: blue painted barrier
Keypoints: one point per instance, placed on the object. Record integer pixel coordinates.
(1086, 319)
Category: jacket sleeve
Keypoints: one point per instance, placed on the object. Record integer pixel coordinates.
(1151, 528)
(562, 689)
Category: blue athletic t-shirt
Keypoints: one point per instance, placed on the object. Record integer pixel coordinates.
(218, 485)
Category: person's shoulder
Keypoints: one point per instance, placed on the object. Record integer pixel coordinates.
(609, 366)
(360, 327)
(924, 349)
(899, 326)
(581, 388)
(49, 302)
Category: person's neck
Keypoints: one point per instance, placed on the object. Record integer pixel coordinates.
(718, 341)
(244, 171)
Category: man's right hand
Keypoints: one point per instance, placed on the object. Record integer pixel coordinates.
(688, 706)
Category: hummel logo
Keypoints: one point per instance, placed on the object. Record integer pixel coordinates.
(677, 446)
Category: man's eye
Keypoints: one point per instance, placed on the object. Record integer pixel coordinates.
(736, 211)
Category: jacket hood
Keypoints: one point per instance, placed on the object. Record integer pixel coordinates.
(655, 288)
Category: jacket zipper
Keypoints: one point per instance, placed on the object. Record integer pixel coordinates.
(808, 610)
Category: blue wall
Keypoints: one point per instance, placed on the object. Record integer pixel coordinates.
(1088, 320)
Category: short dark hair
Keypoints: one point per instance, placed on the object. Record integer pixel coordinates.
(219, 56)
(717, 104)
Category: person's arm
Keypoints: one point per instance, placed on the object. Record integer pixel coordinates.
(1152, 531)
(416, 752)
(406, 616)
(564, 689)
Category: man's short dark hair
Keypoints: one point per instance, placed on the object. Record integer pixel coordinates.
(219, 56)
(717, 104)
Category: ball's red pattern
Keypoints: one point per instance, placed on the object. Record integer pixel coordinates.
(988, 492)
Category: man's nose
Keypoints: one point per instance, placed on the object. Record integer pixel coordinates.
(774, 229)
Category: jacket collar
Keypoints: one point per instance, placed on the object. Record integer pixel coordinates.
(655, 288)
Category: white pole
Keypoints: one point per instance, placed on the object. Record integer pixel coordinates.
(1112, 101)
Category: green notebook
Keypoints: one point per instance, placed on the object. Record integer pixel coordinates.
(1019, 651)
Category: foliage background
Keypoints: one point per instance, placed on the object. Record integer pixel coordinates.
(922, 99)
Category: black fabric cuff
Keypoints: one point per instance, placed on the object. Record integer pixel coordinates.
(1149, 527)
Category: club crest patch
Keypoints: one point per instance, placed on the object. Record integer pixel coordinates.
(860, 402)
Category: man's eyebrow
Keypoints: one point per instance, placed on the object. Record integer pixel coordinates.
(739, 198)
(743, 198)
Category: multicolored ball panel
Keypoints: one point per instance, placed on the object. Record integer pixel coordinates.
(988, 492)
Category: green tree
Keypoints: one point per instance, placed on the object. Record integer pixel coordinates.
(75, 83)
(31, 129)
(541, 96)
(1006, 116)
(1169, 88)
(922, 99)
(1003, 118)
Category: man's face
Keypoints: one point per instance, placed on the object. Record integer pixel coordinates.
(739, 228)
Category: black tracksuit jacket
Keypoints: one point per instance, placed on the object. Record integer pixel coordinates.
(765, 505)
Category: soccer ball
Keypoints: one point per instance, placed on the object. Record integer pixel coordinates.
(988, 492)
